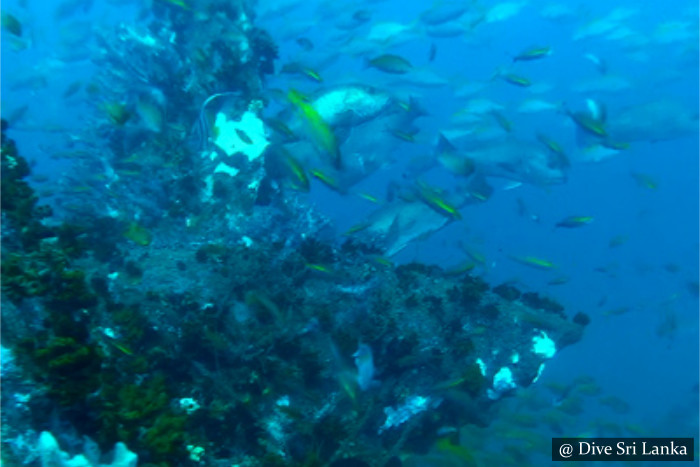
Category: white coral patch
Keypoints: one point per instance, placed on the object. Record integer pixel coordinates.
(502, 382)
(544, 346)
(229, 135)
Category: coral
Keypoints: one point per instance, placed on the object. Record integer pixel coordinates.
(212, 253)
(69, 369)
(410, 274)
(51, 455)
(582, 318)
(316, 252)
(141, 416)
(17, 199)
(471, 291)
(71, 240)
(244, 135)
(539, 302)
(265, 49)
(473, 380)
(69, 299)
(506, 291)
(21, 278)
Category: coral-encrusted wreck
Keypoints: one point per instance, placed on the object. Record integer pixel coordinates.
(255, 337)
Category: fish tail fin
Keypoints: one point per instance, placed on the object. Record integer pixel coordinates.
(444, 145)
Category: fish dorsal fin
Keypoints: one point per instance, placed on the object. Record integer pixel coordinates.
(444, 144)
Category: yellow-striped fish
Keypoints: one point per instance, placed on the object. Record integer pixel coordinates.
(534, 262)
(434, 199)
(326, 179)
(320, 132)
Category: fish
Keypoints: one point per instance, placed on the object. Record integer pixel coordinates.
(534, 262)
(407, 136)
(616, 404)
(11, 24)
(589, 124)
(395, 225)
(72, 89)
(644, 180)
(502, 121)
(390, 63)
(266, 309)
(618, 241)
(117, 112)
(355, 114)
(599, 63)
(508, 157)
(653, 121)
(368, 197)
(559, 280)
(574, 221)
(608, 84)
(298, 179)
(556, 149)
(433, 52)
(282, 166)
(389, 33)
(243, 136)
(460, 269)
(535, 53)
(327, 180)
(180, 3)
(614, 145)
(358, 18)
(448, 156)
(478, 188)
(352, 105)
(382, 261)
(442, 13)
(138, 234)
(320, 131)
(313, 75)
(529, 106)
(476, 255)
(606, 24)
(447, 30)
(121, 347)
(319, 268)
(516, 80)
(357, 228)
(280, 128)
(150, 113)
(503, 11)
(364, 361)
(480, 106)
(296, 68)
(436, 200)
(33, 81)
(423, 78)
(305, 43)
(601, 136)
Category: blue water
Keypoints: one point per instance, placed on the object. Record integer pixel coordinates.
(647, 356)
